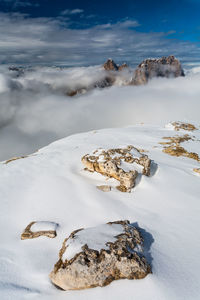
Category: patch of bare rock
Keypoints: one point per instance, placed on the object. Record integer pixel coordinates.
(197, 170)
(146, 70)
(181, 126)
(96, 256)
(118, 163)
(173, 147)
(41, 228)
(110, 65)
(14, 158)
(104, 188)
(161, 67)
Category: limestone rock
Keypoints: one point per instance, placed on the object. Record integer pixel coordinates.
(197, 170)
(173, 147)
(106, 82)
(181, 126)
(104, 188)
(96, 256)
(117, 163)
(110, 65)
(15, 158)
(162, 67)
(41, 228)
(122, 67)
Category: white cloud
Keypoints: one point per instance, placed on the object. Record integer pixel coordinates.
(52, 41)
(36, 111)
(20, 3)
(72, 11)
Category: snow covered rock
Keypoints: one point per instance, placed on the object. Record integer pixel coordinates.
(96, 256)
(162, 67)
(41, 228)
(118, 163)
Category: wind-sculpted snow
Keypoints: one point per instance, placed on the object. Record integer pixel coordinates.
(52, 185)
(35, 109)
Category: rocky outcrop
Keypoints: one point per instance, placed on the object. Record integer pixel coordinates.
(162, 67)
(149, 68)
(173, 147)
(96, 256)
(15, 158)
(122, 67)
(106, 82)
(36, 229)
(109, 163)
(181, 126)
(104, 188)
(197, 170)
(110, 65)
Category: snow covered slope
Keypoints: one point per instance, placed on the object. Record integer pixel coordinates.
(51, 185)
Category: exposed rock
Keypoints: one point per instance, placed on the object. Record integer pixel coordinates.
(174, 148)
(122, 67)
(15, 158)
(197, 170)
(35, 229)
(181, 126)
(106, 82)
(78, 91)
(162, 67)
(19, 71)
(109, 163)
(110, 65)
(104, 188)
(96, 256)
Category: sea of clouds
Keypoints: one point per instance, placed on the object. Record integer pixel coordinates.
(35, 109)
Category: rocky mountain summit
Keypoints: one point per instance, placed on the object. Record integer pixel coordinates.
(110, 65)
(150, 68)
(162, 67)
(107, 75)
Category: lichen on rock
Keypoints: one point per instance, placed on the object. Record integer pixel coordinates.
(117, 163)
(41, 228)
(96, 256)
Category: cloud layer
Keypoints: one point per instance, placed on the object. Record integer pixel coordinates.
(36, 111)
(58, 41)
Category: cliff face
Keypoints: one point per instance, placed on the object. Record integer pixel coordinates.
(162, 67)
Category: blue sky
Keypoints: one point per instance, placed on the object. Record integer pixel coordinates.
(115, 27)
